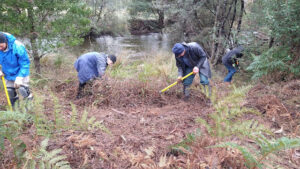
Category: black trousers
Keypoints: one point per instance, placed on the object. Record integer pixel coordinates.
(80, 89)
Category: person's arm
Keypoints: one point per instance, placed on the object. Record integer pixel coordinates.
(201, 54)
(1, 73)
(180, 71)
(101, 66)
(23, 60)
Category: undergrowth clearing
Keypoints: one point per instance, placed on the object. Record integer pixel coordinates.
(127, 123)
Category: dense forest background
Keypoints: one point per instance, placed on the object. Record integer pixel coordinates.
(268, 29)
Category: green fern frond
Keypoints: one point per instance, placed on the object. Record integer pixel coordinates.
(86, 123)
(74, 115)
(57, 159)
(203, 122)
(49, 155)
(58, 118)
(225, 121)
(83, 119)
(45, 159)
(271, 146)
(62, 164)
(44, 144)
(250, 159)
(42, 165)
(247, 128)
(267, 147)
(91, 120)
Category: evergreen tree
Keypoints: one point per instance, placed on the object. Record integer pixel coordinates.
(47, 23)
(281, 19)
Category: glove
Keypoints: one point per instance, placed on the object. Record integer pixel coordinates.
(179, 79)
(1, 74)
(18, 82)
(195, 70)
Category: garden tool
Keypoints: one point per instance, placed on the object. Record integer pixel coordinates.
(173, 84)
(7, 96)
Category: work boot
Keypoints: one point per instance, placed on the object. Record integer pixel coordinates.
(186, 93)
(207, 90)
(28, 102)
(79, 95)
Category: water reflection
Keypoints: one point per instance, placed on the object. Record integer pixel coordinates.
(135, 47)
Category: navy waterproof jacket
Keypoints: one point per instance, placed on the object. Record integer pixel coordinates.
(14, 60)
(90, 65)
(197, 57)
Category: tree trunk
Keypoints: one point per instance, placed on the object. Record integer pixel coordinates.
(100, 11)
(241, 16)
(37, 64)
(33, 38)
(161, 18)
(221, 31)
(232, 21)
(216, 23)
(271, 42)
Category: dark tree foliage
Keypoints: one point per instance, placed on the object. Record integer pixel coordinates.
(47, 23)
(282, 20)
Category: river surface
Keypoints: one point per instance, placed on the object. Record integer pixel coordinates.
(131, 46)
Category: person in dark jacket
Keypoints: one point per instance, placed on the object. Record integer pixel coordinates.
(90, 66)
(191, 58)
(230, 59)
(15, 67)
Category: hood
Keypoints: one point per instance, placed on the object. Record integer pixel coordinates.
(10, 40)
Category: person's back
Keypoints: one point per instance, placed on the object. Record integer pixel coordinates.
(86, 65)
(228, 59)
(90, 66)
(191, 58)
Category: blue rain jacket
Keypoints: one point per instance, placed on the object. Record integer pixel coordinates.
(14, 61)
(90, 65)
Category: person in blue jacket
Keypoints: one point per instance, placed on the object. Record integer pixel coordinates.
(230, 59)
(90, 66)
(190, 57)
(15, 67)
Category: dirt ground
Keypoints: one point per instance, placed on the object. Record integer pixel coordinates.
(143, 124)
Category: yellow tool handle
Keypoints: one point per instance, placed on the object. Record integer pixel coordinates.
(173, 84)
(7, 96)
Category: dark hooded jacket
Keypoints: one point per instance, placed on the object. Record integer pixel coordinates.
(228, 58)
(197, 57)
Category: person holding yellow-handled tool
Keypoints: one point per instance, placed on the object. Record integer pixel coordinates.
(175, 83)
(15, 67)
(191, 58)
(230, 61)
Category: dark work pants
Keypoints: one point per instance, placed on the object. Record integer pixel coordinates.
(80, 89)
(231, 72)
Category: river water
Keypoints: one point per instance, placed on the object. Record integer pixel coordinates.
(131, 46)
